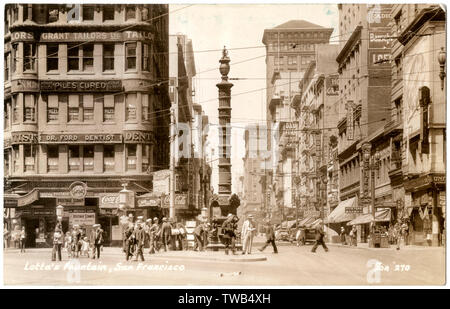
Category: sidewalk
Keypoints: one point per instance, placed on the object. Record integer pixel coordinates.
(392, 247)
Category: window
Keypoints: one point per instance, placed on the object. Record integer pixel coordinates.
(87, 101)
(398, 109)
(15, 13)
(145, 107)
(131, 156)
(398, 68)
(108, 107)
(30, 108)
(108, 12)
(88, 158)
(73, 61)
(145, 158)
(15, 116)
(52, 158)
(13, 57)
(15, 149)
(145, 57)
(6, 109)
(52, 108)
(130, 50)
(6, 64)
(292, 60)
(52, 57)
(29, 53)
(144, 14)
(131, 106)
(108, 57)
(108, 158)
(74, 158)
(88, 12)
(130, 12)
(74, 108)
(6, 160)
(30, 153)
(88, 57)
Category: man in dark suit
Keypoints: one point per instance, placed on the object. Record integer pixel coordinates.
(229, 227)
(320, 234)
(139, 236)
(129, 239)
(96, 240)
(270, 238)
(166, 233)
(198, 235)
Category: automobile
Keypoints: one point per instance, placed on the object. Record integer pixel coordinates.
(282, 233)
(307, 235)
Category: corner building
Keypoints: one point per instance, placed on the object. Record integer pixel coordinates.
(86, 108)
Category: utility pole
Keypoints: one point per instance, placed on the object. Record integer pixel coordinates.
(173, 153)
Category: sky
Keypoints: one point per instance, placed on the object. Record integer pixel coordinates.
(213, 26)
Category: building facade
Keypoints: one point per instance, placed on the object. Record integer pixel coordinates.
(85, 101)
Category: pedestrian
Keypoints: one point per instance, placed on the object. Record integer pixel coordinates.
(247, 233)
(404, 232)
(139, 236)
(76, 240)
(397, 234)
(270, 237)
(68, 244)
(229, 233)
(320, 234)
(57, 244)
(300, 236)
(166, 233)
(353, 236)
(147, 226)
(96, 240)
(181, 236)
(154, 236)
(343, 235)
(129, 236)
(198, 237)
(85, 247)
(5, 237)
(206, 234)
(22, 239)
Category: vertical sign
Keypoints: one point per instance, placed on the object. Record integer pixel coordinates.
(366, 147)
(350, 127)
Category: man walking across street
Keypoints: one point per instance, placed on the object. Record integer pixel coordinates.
(129, 241)
(154, 236)
(198, 236)
(247, 233)
(96, 240)
(166, 232)
(229, 236)
(270, 238)
(139, 236)
(320, 234)
(57, 244)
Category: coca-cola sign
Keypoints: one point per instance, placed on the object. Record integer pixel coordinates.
(109, 200)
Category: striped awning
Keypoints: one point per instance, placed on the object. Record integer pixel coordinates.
(383, 215)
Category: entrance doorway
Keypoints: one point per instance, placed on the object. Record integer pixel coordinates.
(30, 229)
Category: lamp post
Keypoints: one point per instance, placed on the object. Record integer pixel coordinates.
(442, 59)
(59, 214)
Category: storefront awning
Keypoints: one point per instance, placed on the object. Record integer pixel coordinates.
(383, 215)
(338, 215)
(314, 224)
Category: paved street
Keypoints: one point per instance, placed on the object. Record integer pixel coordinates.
(292, 266)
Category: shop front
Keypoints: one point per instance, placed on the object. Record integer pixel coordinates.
(425, 210)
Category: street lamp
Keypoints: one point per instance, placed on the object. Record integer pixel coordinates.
(59, 214)
(442, 58)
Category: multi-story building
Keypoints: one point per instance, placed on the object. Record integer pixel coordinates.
(290, 47)
(364, 106)
(422, 99)
(317, 108)
(189, 128)
(85, 110)
(254, 199)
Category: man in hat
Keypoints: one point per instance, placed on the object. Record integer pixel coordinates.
(147, 226)
(270, 237)
(154, 236)
(320, 234)
(229, 227)
(198, 236)
(139, 236)
(129, 241)
(166, 233)
(247, 233)
(96, 239)
(76, 240)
